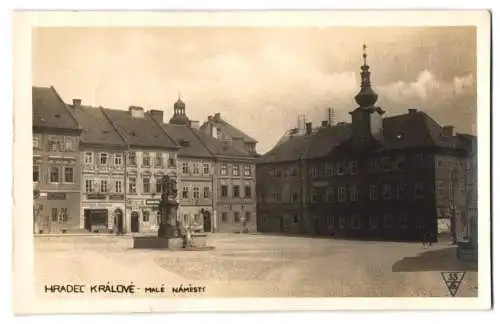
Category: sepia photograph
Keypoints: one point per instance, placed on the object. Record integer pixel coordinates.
(251, 161)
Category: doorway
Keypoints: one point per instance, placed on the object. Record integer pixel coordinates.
(119, 220)
(134, 222)
(207, 221)
(87, 222)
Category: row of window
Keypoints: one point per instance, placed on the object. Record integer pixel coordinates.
(452, 163)
(375, 165)
(452, 187)
(197, 168)
(247, 170)
(55, 143)
(195, 192)
(374, 221)
(57, 174)
(103, 186)
(148, 159)
(351, 193)
(236, 217)
(224, 190)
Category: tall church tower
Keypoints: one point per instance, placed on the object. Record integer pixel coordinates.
(367, 126)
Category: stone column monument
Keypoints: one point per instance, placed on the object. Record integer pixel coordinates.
(168, 209)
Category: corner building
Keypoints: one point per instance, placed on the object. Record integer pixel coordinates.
(393, 178)
(56, 163)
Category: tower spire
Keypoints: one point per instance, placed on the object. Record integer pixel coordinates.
(366, 96)
(364, 53)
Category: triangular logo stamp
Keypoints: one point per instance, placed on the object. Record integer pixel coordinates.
(453, 279)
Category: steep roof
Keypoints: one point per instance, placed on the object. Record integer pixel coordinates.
(190, 145)
(97, 129)
(139, 131)
(412, 130)
(229, 129)
(220, 148)
(50, 111)
(292, 150)
(326, 139)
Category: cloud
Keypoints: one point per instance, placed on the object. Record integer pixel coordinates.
(261, 79)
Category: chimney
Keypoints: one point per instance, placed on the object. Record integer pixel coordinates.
(308, 128)
(157, 115)
(77, 103)
(324, 123)
(448, 131)
(412, 111)
(136, 112)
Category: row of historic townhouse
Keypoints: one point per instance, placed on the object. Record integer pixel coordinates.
(356, 195)
(112, 182)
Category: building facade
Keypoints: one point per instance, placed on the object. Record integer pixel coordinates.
(393, 178)
(56, 163)
(150, 155)
(216, 178)
(103, 171)
(195, 169)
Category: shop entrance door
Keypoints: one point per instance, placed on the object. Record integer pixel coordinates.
(134, 222)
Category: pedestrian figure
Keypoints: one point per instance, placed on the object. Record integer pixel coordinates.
(424, 240)
(430, 240)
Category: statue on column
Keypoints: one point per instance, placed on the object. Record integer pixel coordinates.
(168, 209)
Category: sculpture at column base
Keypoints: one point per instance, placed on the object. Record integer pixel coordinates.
(170, 234)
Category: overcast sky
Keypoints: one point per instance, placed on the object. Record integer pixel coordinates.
(260, 79)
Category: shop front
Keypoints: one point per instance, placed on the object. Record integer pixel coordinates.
(103, 217)
(143, 214)
(56, 212)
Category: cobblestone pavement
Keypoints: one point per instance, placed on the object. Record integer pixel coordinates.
(245, 265)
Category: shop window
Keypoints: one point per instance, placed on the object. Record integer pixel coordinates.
(145, 216)
(54, 215)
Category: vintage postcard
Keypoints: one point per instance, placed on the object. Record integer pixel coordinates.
(246, 161)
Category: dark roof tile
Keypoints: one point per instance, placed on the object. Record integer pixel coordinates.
(405, 131)
(190, 145)
(139, 131)
(220, 148)
(97, 129)
(49, 110)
